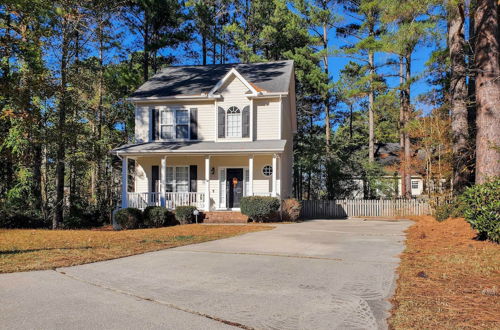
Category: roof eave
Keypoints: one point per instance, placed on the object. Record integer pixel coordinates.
(174, 98)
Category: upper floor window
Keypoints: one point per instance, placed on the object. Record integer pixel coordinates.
(174, 124)
(233, 122)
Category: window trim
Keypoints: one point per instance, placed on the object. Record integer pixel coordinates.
(240, 120)
(174, 178)
(267, 175)
(174, 125)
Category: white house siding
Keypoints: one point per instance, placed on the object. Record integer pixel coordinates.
(234, 93)
(287, 156)
(262, 184)
(144, 164)
(206, 118)
(267, 118)
(142, 124)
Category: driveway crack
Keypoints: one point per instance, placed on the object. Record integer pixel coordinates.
(160, 302)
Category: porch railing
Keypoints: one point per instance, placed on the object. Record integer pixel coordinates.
(141, 200)
(174, 199)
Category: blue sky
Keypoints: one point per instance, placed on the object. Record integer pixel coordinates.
(336, 63)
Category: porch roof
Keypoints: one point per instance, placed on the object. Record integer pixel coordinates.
(201, 147)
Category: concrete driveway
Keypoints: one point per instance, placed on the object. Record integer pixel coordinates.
(322, 274)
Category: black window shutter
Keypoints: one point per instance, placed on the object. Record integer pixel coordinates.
(155, 176)
(245, 121)
(194, 123)
(155, 118)
(193, 176)
(222, 122)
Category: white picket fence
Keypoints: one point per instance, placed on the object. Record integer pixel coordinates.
(343, 208)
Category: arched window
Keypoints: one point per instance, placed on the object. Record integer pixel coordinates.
(233, 122)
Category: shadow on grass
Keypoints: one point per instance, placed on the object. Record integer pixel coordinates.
(7, 252)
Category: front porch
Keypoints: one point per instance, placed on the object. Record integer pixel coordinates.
(208, 182)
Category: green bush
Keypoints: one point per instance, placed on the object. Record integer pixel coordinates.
(83, 218)
(259, 208)
(482, 209)
(129, 218)
(23, 220)
(290, 209)
(184, 214)
(452, 209)
(157, 216)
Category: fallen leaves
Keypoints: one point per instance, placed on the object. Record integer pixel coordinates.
(447, 278)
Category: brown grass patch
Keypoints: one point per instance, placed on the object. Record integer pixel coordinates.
(447, 279)
(34, 249)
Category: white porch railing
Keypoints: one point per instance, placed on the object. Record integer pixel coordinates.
(141, 200)
(174, 199)
(263, 194)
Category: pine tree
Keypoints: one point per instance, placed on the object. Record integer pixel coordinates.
(487, 64)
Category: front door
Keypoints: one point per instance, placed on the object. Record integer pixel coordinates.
(234, 185)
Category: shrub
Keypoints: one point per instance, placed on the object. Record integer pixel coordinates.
(184, 214)
(453, 209)
(18, 219)
(259, 208)
(290, 209)
(157, 216)
(83, 218)
(129, 218)
(482, 209)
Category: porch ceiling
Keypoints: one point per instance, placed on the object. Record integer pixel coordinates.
(201, 147)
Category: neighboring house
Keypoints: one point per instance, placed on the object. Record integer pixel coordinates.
(387, 155)
(209, 135)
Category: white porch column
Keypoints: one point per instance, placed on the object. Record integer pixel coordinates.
(124, 182)
(163, 180)
(274, 176)
(250, 175)
(207, 183)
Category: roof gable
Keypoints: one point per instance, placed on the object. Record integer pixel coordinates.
(222, 84)
(182, 81)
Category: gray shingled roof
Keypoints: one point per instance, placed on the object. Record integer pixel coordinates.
(202, 147)
(194, 80)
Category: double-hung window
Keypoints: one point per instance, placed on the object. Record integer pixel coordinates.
(177, 179)
(174, 124)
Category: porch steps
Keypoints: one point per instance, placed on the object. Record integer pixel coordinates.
(225, 217)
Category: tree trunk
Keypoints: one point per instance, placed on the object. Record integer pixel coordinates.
(402, 170)
(326, 98)
(61, 126)
(471, 90)
(204, 48)
(487, 50)
(407, 147)
(458, 97)
(371, 101)
(145, 64)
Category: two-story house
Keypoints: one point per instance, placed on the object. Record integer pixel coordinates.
(209, 135)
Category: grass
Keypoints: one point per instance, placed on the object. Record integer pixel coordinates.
(35, 249)
(447, 279)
